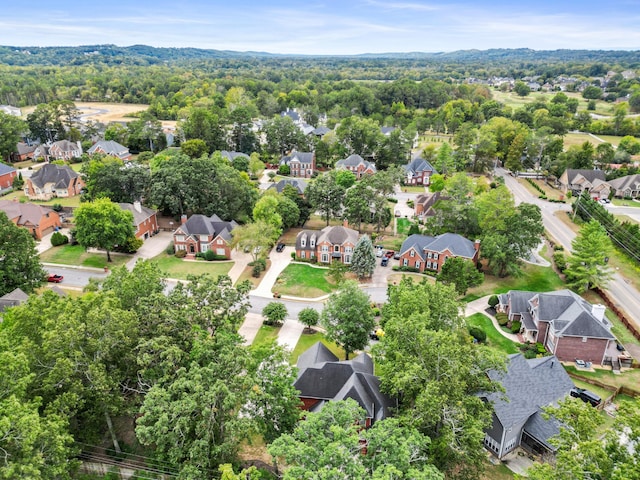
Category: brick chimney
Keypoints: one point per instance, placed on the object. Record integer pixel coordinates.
(183, 219)
(345, 223)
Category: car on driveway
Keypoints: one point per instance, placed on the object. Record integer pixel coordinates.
(384, 262)
(586, 396)
(280, 247)
(396, 256)
(54, 278)
(389, 253)
(379, 250)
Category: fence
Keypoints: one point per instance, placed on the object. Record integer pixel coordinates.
(621, 314)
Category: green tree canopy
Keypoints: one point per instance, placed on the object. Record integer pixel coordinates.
(461, 273)
(363, 260)
(587, 267)
(11, 130)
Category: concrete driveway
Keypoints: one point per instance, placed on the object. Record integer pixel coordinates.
(45, 244)
(151, 247)
(279, 261)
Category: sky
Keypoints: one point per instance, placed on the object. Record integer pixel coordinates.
(325, 27)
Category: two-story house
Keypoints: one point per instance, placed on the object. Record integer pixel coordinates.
(327, 245)
(566, 324)
(301, 164)
(578, 180)
(7, 174)
(60, 150)
(423, 252)
(53, 181)
(112, 148)
(201, 233)
(358, 165)
(39, 220)
(144, 219)
(418, 172)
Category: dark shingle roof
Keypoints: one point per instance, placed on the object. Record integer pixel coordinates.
(418, 165)
(456, 244)
(629, 181)
(231, 155)
(321, 130)
(529, 385)
(302, 157)
(321, 376)
(12, 299)
(589, 174)
(297, 183)
(24, 213)
(138, 216)
(59, 175)
(202, 225)
(353, 161)
(110, 147)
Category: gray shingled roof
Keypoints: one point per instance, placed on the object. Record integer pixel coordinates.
(4, 169)
(322, 130)
(299, 184)
(231, 155)
(529, 385)
(66, 146)
(338, 235)
(302, 157)
(353, 161)
(292, 114)
(329, 380)
(629, 181)
(138, 216)
(199, 224)
(589, 174)
(25, 213)
(12, 299)
(59, 175)
(110, 147)
(418, 165)
(456, 244)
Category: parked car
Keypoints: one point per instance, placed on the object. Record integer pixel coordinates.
(384, 262)
(586, 396)
(396, 256)
(54, 278)
(389, 253)
(280, 247)
(379, 250)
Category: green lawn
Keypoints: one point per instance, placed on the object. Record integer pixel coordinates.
(179, 268)
(494, 338)
(308, 339)
(629, 378)
(413, 188)
(625, 203)
(64, 201)
(404, 224)
(301, 280)
(534, 278)
(77, 255)
(266, 334)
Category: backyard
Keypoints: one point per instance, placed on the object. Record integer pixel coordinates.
(64, 201)
(179, 268)
(302, 280)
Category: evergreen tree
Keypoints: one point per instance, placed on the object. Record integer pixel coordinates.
(587, 266)
(363, 261)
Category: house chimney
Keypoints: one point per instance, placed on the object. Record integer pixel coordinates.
(183, 219)
(137, 206)
(597, 311)
(476, 245)
(345, 223)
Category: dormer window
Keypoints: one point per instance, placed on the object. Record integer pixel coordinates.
(313, 241)
(413, 253)
(303, 241)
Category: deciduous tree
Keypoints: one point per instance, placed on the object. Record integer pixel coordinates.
(309, 317)
(461, 273)
(326, 196)
(11, 130)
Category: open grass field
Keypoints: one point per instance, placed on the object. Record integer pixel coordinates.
(64, 201)
(578, 139)
(494, 338)
(534, 278)
(174, 267)
(77, 255)
(513, 100)
(102, 112)
(308, 339)
(301, 280)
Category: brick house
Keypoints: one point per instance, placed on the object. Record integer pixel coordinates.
(576, 181)
(301, 164)
(144, 219)
(328, 244)
(39, 220)
(429, 253)
(60, 150)
(53, 181)
(323, 378)
(24, 151)
(112, 148)
(567, 325)
(518, 421)
(418, 172)
(356, 164)
(423, 204)
(7, 174)
(200, 233)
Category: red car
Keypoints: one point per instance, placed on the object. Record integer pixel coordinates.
(54, 278)
(389, 253)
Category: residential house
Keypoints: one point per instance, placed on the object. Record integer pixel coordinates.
(356, 164)
(419, 172)
(301, 164)
(24, 151)
(386, 131)
(60, 150)
(12, 299)
(9, 110)
(144, 219)
(233, 155)
(297, 183)
(627, 186)
(7, 174)
(53, 181)
(293, 115)
(200, 233)
(576, 181)
(567, 325)
(423, 252)
(518, 420)
(39, 220)
(323, 378)
(599, 189)
(327, 245)
(423, 204)
(112, 148)
(321, 131)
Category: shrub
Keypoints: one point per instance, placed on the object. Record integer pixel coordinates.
(394, 200)
(560, 260)
(558, 248)
(376, 311)
(540, 348)
(493, 301)
(502, 319)
(309, 317)
(529, 354)
(413, 229)
(478, 334)
(293, 255)
(284, 170)
(209, 255)
(130, 246)
(515, 327)
(58, 239)
(170, 249)
(181, 253)
(256, 271)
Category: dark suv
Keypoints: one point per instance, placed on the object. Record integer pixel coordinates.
(586, 396)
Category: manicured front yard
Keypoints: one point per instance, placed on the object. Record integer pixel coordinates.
(77, 255)
(301, 280)
(179, 268)
(266, 334)
(308, 339)
(494, 338)
(64, 201)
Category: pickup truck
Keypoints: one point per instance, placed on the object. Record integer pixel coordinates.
(54, 278)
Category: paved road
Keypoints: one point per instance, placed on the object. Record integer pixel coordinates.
(75, 277)
(621, 292)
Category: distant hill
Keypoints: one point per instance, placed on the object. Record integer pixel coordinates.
(146, 55)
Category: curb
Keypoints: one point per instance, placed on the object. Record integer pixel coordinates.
(74, 267)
